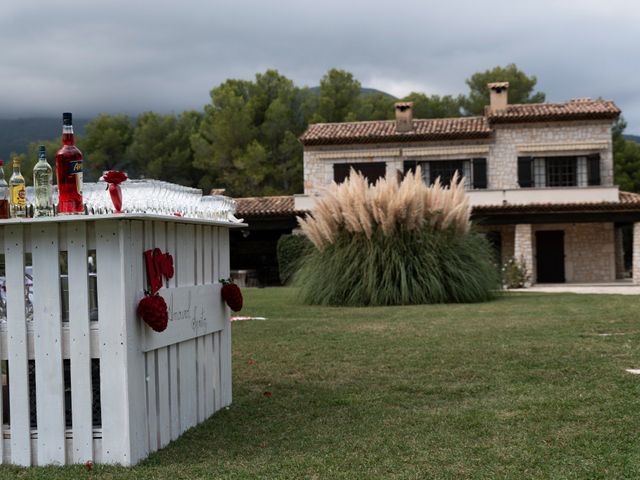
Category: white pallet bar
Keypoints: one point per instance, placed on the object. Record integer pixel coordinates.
(150, 387)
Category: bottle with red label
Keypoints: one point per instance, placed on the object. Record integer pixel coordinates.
(69, 171)
(4, 194)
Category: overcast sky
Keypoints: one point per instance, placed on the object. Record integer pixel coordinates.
(131, 56)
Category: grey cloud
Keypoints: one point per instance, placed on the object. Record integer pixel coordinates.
(129, 57)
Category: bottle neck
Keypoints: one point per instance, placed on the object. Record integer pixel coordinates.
(16, 169)
(67, 135)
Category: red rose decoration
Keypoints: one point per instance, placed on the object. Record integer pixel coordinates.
(232, 295)
(153, 310)
(114, 176)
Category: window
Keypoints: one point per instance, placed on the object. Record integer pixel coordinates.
(569, 171)
(562, 172)
(372, 171)
(445, 170)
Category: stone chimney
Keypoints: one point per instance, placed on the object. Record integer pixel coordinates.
(499, 99)
(404, 117)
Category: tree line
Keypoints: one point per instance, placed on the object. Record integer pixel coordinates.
(246, 139)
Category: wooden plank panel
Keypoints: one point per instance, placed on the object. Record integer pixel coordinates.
(199, 266)
(150, 357)
(187, 353)
(215, 253)
(17, 346)
(113, 336)
(48, 344)
(225, 340)
(173, 391)
(217, 379)
(201, 369)
(79, 342)
(207, 257)
(162, 365)
(174, 404)
(209, 375)
(131, 238)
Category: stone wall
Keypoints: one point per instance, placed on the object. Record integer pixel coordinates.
(503, 166)
(589, 250)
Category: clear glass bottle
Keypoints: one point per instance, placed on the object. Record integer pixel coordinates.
(4, 194)
(17, 192)
(43, 186)
(69, 171)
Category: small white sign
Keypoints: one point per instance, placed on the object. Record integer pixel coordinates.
(193, 311)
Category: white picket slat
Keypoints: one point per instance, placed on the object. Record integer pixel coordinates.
(113, 336)
(173, 391)
(79, 342)
(225, 339)
(48, 344)
(17, 346)
(162, 370)
(187, 354)
(201, 370)
(150, 357)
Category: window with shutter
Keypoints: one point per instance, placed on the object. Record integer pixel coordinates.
(593, 169)
(372, 171)
(525, 173)
(479, 173)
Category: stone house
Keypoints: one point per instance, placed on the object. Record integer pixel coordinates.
(539, 177)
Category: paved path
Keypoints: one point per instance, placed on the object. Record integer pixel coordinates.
(617, 288)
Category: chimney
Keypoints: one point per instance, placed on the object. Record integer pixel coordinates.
(498, 96)
(404, 117)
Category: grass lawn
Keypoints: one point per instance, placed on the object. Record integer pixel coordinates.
(521, 387)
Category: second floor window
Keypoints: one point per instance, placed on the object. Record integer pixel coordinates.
(565, 171)
(474, 171)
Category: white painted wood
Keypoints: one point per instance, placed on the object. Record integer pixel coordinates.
(187, 353)
(133, 259)
(17, 346)
(225, 340)
(215, 257)
(193, 311)
(199, 255)
(48, 345)
(201, 375)
(209, 375)
(164, 412)
(150, 357)
(217, 374)
(113, 336)
(78, 338)
(174, 402)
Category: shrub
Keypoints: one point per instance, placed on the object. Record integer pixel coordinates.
(515, 273)
(290, 250)
(394, 243)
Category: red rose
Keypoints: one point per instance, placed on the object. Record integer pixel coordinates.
(153, 310)
(232, 295)
(114, 176)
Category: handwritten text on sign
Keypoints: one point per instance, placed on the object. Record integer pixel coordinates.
(193, 312)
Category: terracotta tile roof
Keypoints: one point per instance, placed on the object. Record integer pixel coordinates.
(385, 131)
(629, 197)
(265, 206)
(581, 109)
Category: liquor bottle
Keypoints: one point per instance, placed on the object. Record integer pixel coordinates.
(69, 172)
(42, 185)
(4, 194)
(17, 192)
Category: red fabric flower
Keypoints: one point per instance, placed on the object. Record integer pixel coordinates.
(114, 176)
(232, 295)
(153, 310)
(167, 265)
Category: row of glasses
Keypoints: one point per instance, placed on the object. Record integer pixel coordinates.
(159, 198)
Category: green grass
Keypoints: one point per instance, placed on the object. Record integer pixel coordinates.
(521, 387)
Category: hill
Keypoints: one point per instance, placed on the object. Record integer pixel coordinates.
(633, 138)
(17, 134)
(363, 91)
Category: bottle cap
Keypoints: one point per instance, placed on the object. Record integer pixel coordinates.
(1, 162)
(66, 118)
(16, 162)
(41, 151)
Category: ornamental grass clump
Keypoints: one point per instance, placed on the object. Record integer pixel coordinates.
(394, 243)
